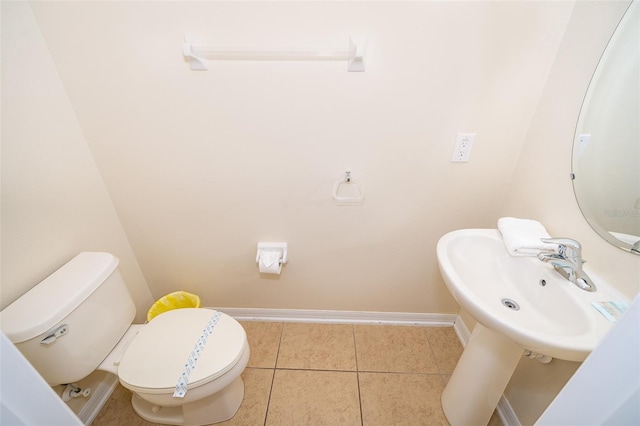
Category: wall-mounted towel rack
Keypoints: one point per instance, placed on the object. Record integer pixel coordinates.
(197, 56)
(348, 191)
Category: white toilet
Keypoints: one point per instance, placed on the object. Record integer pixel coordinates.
(79, 320)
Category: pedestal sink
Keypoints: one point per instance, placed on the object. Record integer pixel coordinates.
(521, 304)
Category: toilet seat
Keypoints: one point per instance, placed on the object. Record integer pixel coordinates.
(156, 357)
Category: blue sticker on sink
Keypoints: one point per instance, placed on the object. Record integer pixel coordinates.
(610, 310)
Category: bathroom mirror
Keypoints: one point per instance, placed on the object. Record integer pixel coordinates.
(606, 149)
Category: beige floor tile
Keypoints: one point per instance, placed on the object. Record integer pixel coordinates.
(399, 349)
(401, 399)
(118, 411)
(446, 347)
(317, 346)
(257, 387)
(264, 339)
(445, 378)
(303, 397)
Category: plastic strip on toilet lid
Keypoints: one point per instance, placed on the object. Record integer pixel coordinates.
(196, 353)
(156, 357)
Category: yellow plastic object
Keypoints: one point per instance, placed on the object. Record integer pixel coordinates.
(175, 300)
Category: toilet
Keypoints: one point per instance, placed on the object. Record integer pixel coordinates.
(183, 367)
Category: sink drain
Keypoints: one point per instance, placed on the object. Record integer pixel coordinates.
(510, 304)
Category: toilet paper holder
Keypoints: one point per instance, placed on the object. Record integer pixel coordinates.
(273, 247)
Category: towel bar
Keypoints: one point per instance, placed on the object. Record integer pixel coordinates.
(197, 56)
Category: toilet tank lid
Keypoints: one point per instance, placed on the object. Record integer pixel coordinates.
(50, 301)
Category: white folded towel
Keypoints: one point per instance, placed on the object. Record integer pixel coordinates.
(522, 236)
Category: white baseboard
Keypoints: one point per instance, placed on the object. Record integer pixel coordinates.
(504, 409)
(98, 399)
(506, 413)
(462, 331)
(340, 317)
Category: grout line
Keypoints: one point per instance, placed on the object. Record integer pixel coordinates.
(355, 348)
(409, 373)
(275, 366)
(273, 377)
(435, 358)
(415, 373)
(315, 369)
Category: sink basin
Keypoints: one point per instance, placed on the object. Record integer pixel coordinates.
(554, 318)
(520, 304)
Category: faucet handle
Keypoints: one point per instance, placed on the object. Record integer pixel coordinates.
(567, 242)
(575, 248)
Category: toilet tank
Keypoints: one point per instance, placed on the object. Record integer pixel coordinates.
(68, 323)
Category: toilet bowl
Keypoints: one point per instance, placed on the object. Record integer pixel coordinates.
(155, 358)
(78, 320)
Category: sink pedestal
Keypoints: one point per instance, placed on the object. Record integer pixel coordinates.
(480, 377)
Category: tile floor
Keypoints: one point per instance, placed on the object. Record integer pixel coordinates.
(334, 374)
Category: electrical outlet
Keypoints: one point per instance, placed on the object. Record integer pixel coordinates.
(462, 148)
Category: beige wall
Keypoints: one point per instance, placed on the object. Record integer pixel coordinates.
(54, 202)
(201, 166)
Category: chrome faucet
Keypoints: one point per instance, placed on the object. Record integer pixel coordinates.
(568, 262)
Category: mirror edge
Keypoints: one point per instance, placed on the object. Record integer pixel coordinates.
(601, 231)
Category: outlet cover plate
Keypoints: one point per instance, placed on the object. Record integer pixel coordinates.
(462, 148)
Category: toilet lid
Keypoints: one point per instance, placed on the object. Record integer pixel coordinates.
(156, 357)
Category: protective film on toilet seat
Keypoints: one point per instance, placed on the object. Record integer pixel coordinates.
(192, 360)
